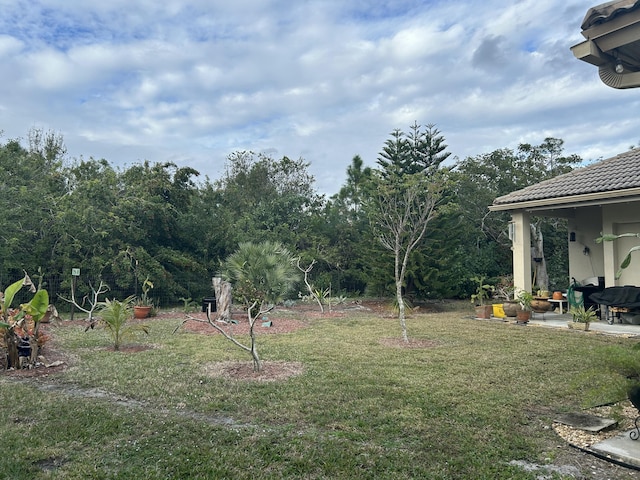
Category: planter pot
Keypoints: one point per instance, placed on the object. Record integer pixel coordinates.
(540, 305)
(484, 311)
(578, 326)
(510, 308)
(523, 316)
(141, 312)
(557, 295)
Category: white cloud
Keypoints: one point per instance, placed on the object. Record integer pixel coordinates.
(194, 80)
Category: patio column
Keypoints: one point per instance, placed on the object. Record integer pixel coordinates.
(521, 247)
(608, 250)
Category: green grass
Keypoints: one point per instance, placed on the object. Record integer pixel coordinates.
(462, 409)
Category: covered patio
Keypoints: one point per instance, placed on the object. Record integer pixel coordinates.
(603, 197)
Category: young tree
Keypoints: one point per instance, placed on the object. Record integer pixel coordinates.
(400, 215)
(261, 275)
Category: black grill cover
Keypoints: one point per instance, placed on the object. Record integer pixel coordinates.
(627, 297)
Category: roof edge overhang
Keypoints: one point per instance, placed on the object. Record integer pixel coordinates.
(574, 201)
(606, 42)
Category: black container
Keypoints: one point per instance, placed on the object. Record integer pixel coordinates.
(206, 301)
(24, 347)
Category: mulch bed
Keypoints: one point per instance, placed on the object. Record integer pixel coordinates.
(278, 325)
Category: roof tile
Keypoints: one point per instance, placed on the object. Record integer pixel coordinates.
(617, 173)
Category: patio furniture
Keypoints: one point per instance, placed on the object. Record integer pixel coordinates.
(560, 303)
(623, 299)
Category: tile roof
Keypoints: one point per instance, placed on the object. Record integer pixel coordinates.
(612, 175)
(607, 11)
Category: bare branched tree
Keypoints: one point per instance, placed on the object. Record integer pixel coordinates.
(400, 216)
(89, 303)
(310, 288)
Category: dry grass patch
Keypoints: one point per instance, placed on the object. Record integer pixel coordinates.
(395, 342)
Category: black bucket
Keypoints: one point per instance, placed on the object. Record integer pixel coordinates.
(206, 301)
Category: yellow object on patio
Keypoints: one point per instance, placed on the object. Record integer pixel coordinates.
(498, 311)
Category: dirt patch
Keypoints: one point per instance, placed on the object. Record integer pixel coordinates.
(51, 364)
(243, 371)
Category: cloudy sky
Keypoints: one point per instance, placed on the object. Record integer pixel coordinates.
(191, 81)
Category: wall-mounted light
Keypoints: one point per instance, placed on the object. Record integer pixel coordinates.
(572, 236)
(586, 251)
(619, 67)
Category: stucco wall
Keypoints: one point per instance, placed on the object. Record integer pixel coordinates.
(586, 257)
(623, 218)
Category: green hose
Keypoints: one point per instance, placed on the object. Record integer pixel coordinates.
(571, 297)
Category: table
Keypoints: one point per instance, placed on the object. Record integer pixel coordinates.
(559, 303)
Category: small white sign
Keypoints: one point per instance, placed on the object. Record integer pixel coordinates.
(75, 272)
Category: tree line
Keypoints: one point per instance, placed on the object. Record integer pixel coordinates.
(167, 223)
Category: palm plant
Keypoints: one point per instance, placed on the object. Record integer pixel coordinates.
(261, 274)
(114, 317)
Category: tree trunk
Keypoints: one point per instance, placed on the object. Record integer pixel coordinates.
(401, 315)
(540, 263)
(11, 341)
(257, 365)
(222, 290)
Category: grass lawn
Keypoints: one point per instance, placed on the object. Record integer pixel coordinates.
(484, 395)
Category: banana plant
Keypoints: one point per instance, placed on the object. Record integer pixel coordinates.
(627, 260)
(13, 320)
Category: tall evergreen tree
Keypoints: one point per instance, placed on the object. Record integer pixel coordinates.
(420, 151)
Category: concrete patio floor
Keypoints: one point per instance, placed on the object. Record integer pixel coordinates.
(555, 320)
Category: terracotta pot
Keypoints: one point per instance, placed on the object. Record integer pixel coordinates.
(523, 316)
(557, 295)
(484, 311)
(141, 312)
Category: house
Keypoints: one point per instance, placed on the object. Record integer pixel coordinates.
(603, 197)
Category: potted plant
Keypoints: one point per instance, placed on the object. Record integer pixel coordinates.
(483, 293)
(144, 304)
(582, 318)
(541, 303)
(524, 312)
(505, 291)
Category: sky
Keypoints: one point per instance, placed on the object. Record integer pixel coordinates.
(193, 81)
